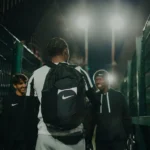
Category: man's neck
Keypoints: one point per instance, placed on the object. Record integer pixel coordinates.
(105, 90)
(18, 93)
(57, 59)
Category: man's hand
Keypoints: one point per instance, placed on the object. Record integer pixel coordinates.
(89, 146)
(130, 142)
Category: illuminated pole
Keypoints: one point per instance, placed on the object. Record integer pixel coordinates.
(83, 23)
(86, 48)
(113, 48)
(116, 24)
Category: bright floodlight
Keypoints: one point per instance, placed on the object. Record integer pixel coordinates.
(111, 79)
(117, 22)
(83, 22)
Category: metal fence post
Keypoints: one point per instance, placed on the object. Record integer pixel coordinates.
(129, 85)
(17, 58)
(140, 75)
(141, 99)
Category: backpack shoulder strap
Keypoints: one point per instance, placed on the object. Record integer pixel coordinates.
(70, 65)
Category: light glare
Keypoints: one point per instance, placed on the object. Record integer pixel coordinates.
(83, 22)
(117, 22)
(111, 79)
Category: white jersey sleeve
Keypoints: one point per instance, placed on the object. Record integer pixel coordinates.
(88, 83)
(30, 88)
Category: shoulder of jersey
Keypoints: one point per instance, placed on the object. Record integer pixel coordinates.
(41, 69)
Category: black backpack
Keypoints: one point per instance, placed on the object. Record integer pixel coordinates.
(63, 97)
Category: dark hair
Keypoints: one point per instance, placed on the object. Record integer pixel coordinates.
(17, 77)
(56, 46)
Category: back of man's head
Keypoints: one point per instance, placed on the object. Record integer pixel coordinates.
(57, 47)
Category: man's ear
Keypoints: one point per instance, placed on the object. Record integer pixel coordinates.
(14, 86)
(65, 52)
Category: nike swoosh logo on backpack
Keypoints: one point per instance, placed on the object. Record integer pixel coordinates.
(66, 97)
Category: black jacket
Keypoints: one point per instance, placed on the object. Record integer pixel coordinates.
(19, 119)
(13, 117)
(112, 119)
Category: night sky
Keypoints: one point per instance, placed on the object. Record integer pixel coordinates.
(38, 18)
(99, 12)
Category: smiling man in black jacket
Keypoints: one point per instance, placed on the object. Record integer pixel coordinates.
(20, 117)
(112, 119)
(13, 114)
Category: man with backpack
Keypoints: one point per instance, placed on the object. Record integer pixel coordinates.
(61, 89)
